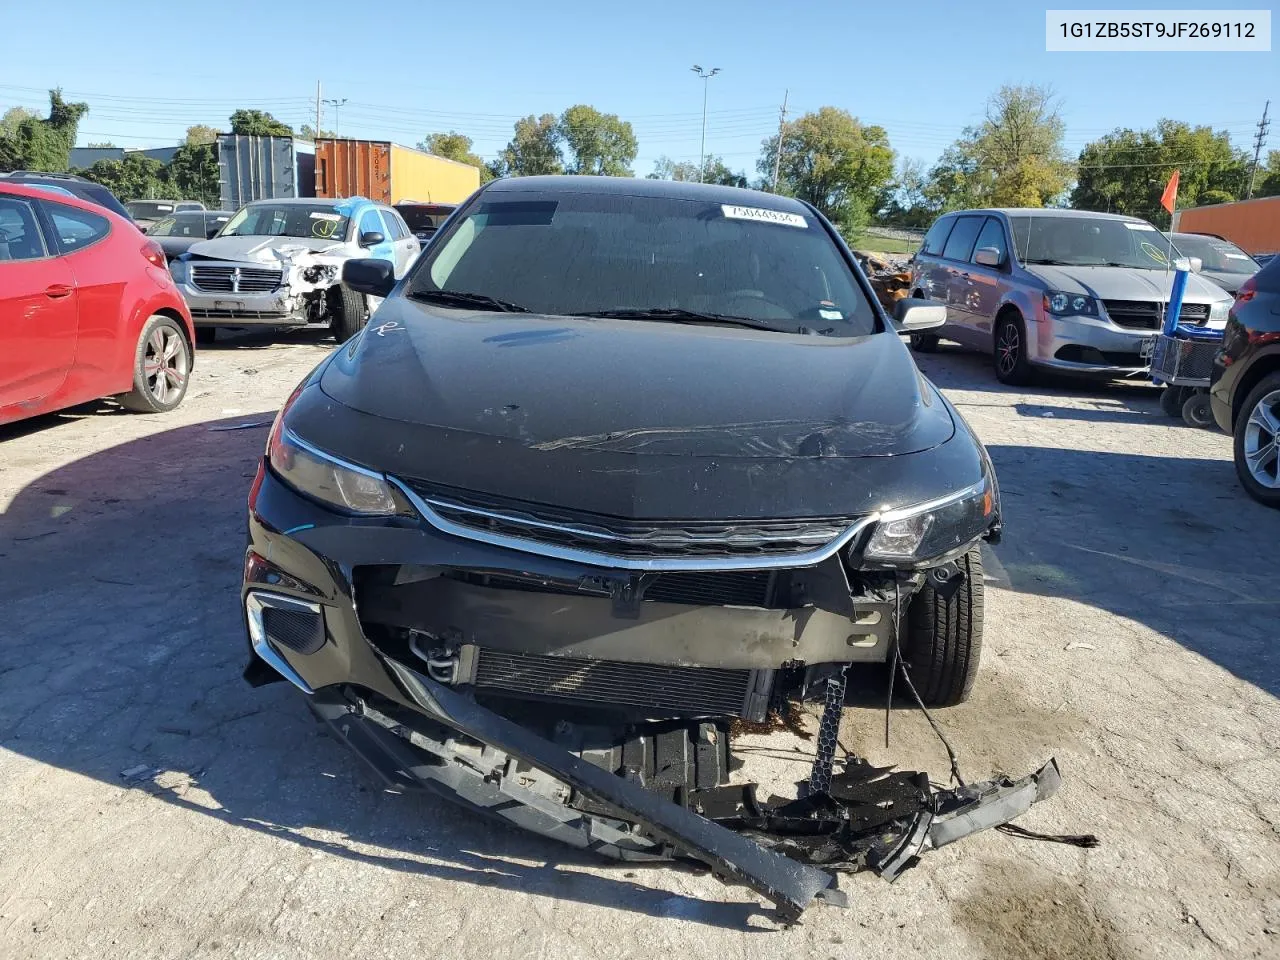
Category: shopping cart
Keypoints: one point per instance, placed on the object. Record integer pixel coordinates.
(1182, 359)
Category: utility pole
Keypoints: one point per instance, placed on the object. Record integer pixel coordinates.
(706, 82)
(1259, 141)
(319, 108)
(335, 104)
(782, 126)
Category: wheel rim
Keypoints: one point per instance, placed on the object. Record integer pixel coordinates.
(1007, 348)
(165, 365)
(1262, 441)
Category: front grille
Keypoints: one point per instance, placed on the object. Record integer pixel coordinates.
(219, 279)
(677, 689)
(751, 588)
(298, 630)
(728, 589)
(630, 538)
(1149, 315)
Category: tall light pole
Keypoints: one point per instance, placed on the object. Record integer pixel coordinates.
(335, 104)
(702, 154)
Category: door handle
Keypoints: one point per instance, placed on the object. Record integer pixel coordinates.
(56, 291)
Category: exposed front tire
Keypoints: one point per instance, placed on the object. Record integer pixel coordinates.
(1257, 442)
(1010, 353)
(161, 367)
(943, 642)
(348, 311)
(924, 342)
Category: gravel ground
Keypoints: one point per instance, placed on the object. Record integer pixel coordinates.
(1131, 632)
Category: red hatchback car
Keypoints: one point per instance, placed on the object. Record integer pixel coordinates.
(87, 309)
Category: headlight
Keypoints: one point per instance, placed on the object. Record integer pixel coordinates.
(1219, 310)
(325, 478)
(1069, 304)
(931, 530)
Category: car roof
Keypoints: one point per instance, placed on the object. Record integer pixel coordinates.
(19, 189)
(1048, 212)
(95, 193)
(635, 187)
(292, 201)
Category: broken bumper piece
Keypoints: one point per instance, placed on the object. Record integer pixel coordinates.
(869, 818)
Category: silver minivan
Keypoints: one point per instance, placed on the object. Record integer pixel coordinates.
(1066, 290)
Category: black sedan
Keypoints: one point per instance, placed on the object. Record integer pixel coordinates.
(1245, 395)
(617, 465)
(177, 232)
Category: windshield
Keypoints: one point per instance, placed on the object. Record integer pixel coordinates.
(1220, 255)
(593, 253)
(1090, 241)
(149, 209)
(422, 219)
(179, 225)
(314, 221)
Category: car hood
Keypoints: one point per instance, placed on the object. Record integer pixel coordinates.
(1230, 282)
(259, 249)
(1124, 283)
(642, 388)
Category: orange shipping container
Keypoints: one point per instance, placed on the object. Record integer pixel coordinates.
(389, 173)
(1252, 225)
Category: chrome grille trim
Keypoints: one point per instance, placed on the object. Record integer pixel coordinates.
(227, 278)
(431, 511)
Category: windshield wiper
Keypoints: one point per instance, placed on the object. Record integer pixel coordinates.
(1048, 263)
(673, 315)
(467, 301)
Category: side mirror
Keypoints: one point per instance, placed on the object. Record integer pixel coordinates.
(988, 257)
(375, 277)
(912, 314)
(371, 238)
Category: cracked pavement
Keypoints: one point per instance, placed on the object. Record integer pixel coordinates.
(1133, 615)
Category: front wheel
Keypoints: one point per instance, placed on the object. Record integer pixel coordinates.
(348, 310)
(1010, 356)
(924, 342)
(1257, 442)
(944, 635)
(161, 367)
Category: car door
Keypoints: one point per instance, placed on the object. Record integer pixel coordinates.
(406, 245)
(957, 283)
(987, 284)
(101, 272)
(371, 222)
(38, 308)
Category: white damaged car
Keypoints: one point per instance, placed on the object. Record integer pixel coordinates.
(278, 263)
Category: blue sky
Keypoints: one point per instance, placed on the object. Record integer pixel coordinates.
(923, 70)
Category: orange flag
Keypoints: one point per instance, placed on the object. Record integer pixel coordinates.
(1169, 199)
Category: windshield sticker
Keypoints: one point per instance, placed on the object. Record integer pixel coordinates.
(1139, 226)
(1233, 256)
(764, 216)
(830, 314)
(316, 215)
(1154, 252)
(324, 229)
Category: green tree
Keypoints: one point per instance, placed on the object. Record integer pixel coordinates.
(664, 168)
(833, 161)
(455, 146)
(308, 132)
(1014, 158)
(43, 144)
(599, 144)
(12, 118)
(1266, 183)
(136, 177)
(258, 123)
(200, 133)
(534, 149)
(193, 173)
(906, 202)
(1126, 170)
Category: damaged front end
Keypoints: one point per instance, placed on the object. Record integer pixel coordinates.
(285, 285)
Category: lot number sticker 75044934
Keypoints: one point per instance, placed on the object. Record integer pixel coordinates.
(763, 216)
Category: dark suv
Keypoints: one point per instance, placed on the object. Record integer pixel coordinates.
(1246, 383)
